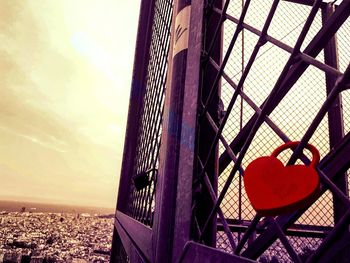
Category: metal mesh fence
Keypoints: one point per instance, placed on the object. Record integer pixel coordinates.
(267, 90)
(289, 119)
(343, 38)
(141, 205)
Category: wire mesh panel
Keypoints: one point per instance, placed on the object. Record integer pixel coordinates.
(284, 66)
(141, 204)
(344, 56)
(266, 73)
(134, 223)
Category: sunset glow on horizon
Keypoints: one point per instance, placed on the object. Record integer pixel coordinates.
(65, 79)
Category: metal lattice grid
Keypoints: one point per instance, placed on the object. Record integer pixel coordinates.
(141, 204)
(266, 76)
(248, 73)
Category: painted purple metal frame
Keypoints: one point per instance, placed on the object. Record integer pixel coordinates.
(198, 253)
(136, 97)
(172, 214)
(185, 183)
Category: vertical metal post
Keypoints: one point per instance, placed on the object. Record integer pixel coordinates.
(335, 116)
(171, 228)
(184, 198)
(206, 133)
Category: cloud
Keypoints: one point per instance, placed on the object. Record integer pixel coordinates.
(63, 107)
(24, 107)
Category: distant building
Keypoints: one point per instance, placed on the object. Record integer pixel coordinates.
(12, 258)
(37, 259)
(25, 258)
(78, 260)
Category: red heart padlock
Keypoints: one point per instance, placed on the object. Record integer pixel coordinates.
(275, 189)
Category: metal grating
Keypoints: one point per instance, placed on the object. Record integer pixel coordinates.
(270, 72)
(255, 66)
(141, 204)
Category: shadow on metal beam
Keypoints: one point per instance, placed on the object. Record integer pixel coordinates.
(198, 253)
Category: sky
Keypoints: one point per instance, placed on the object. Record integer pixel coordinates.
(65, 74)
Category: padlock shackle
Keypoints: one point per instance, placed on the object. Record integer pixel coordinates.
(292, 145)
